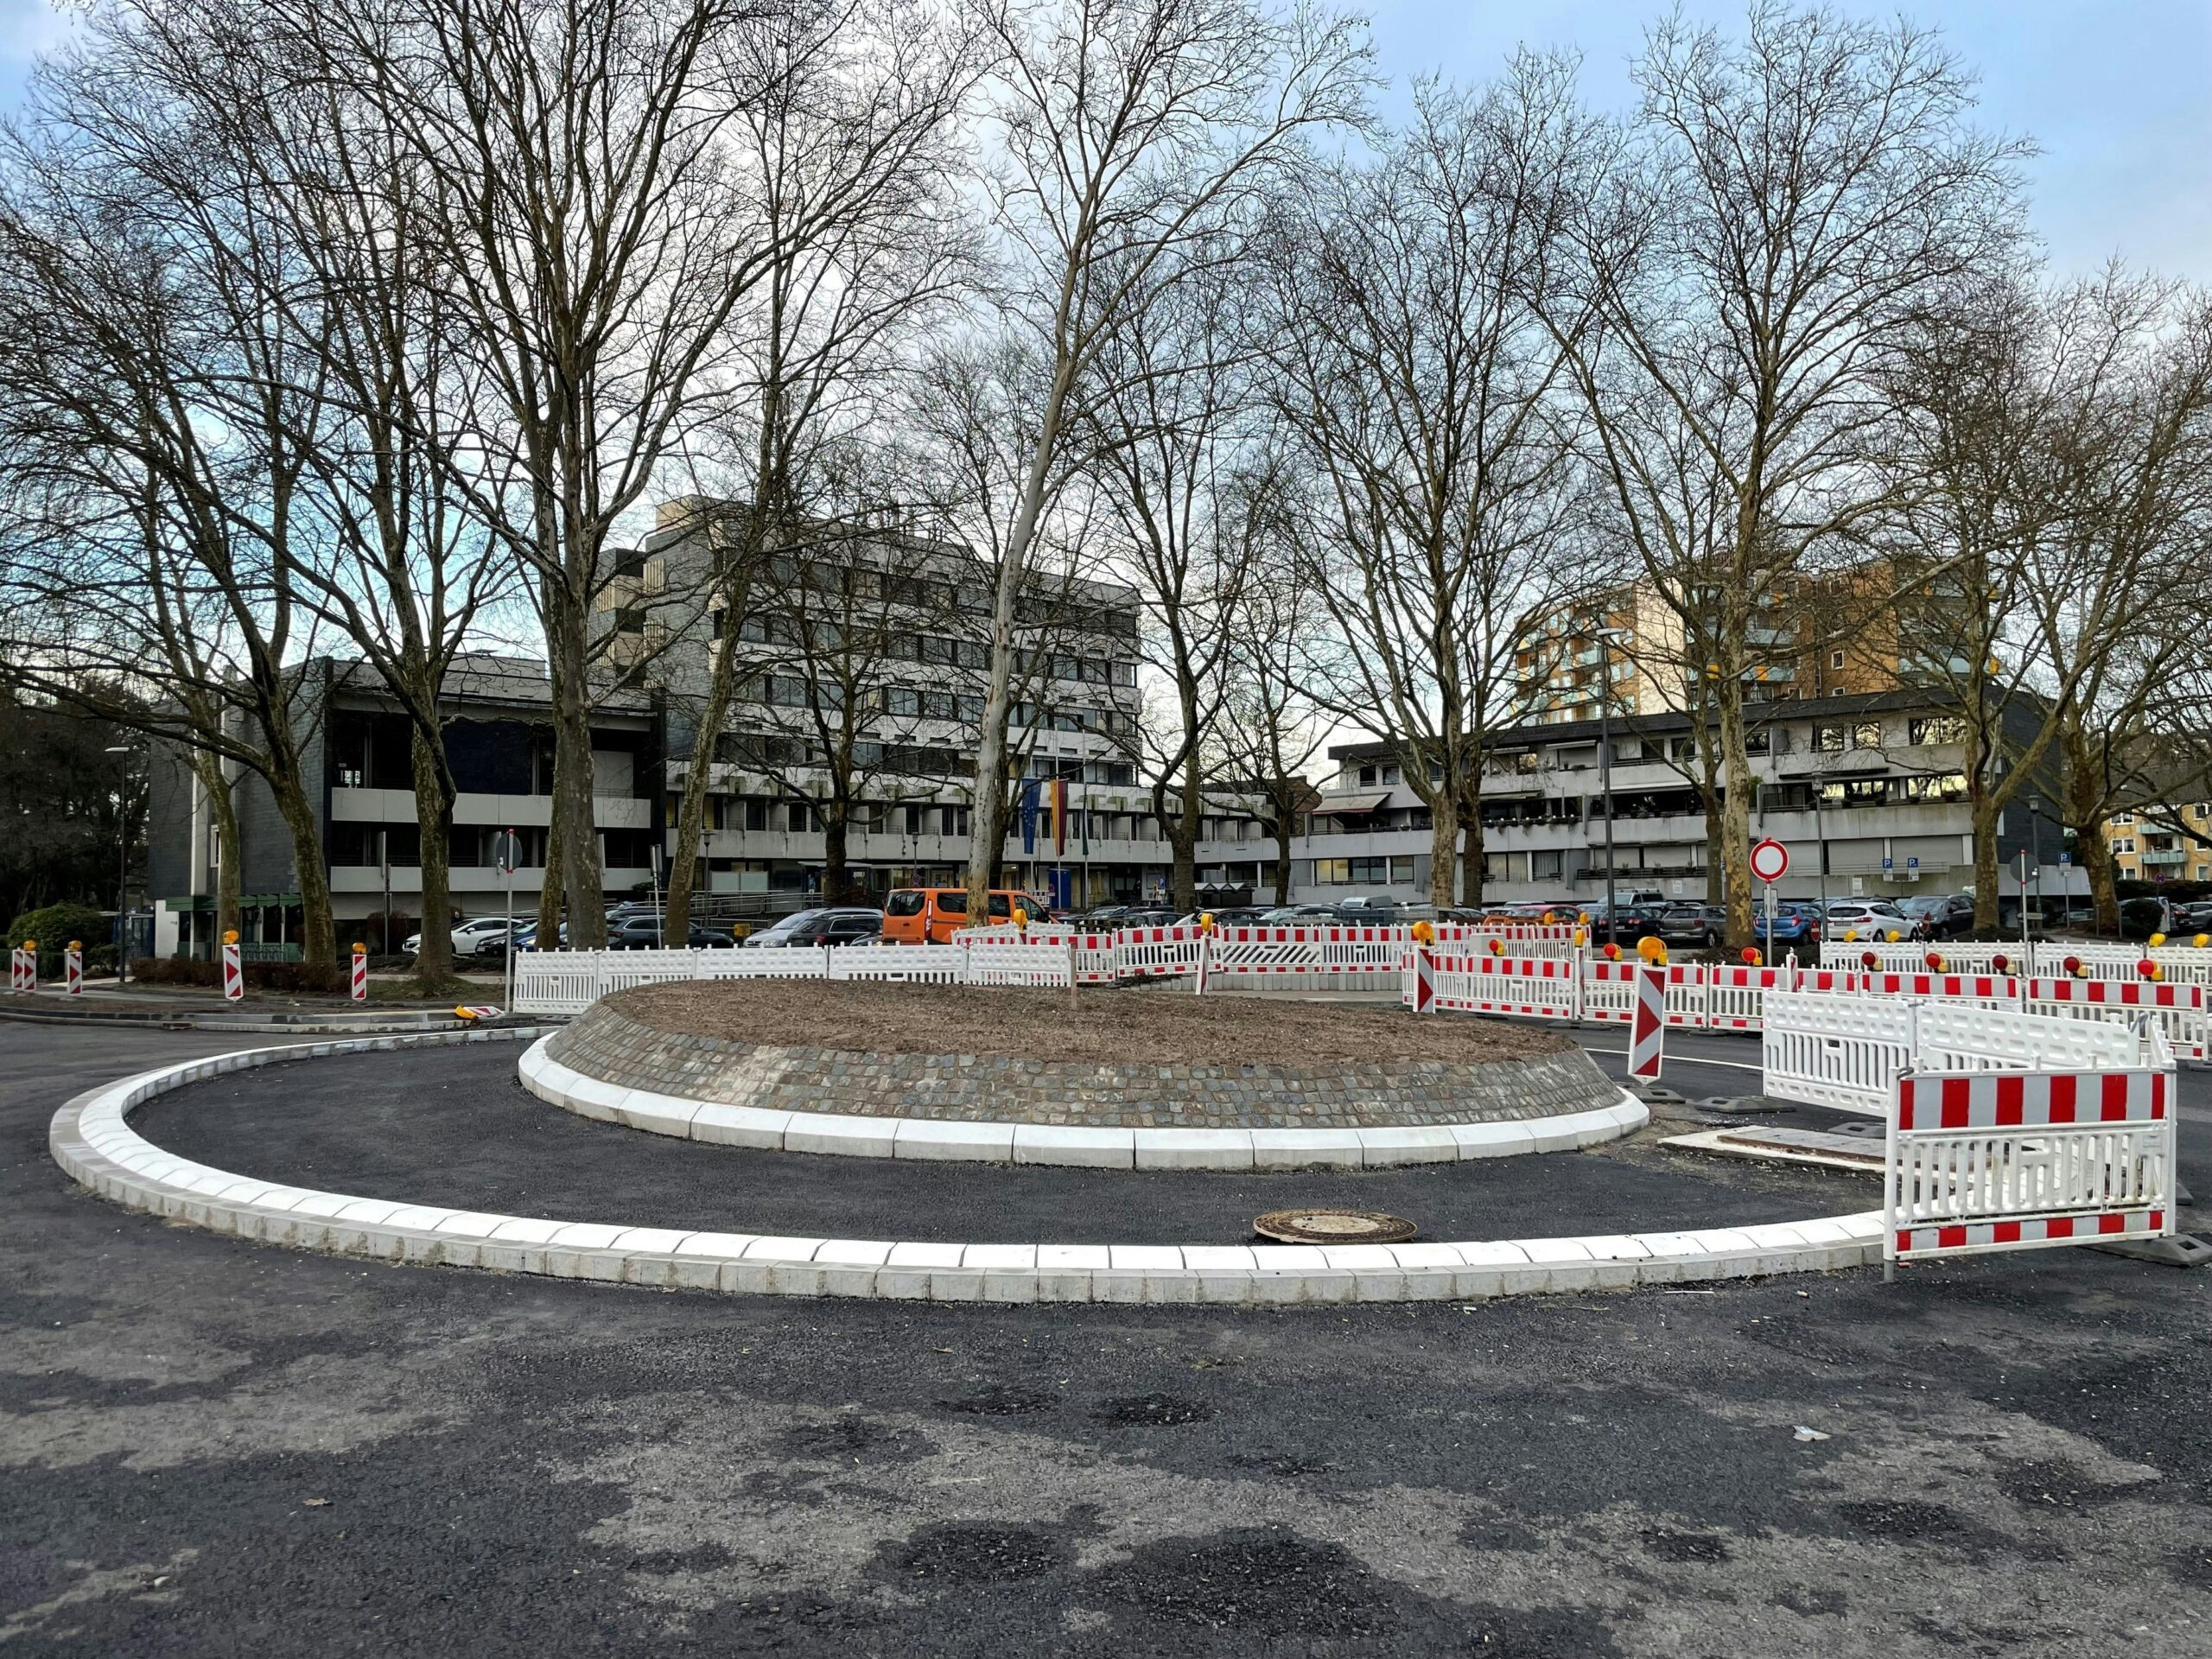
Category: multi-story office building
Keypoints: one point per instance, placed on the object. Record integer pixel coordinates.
(2161, 843)
(356, 743)
(1867, 793)
(864, 660)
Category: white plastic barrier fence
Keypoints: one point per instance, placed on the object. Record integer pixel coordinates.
(2178, 1011)
(1845, 1051)
(1156, 952)
(569, 982)
(912, 964)
(1986, 989)
(2181, 965)
(2018, 1160)
(1539, 988)
(1039, 962)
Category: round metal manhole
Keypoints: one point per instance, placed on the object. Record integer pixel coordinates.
(1334, 1227)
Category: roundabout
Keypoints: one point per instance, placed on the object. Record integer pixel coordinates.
(384, 1149)
(1136, 1079)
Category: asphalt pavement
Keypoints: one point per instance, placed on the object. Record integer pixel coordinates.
(209, 1446)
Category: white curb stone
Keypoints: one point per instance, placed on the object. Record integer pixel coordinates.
(90, 1139)
(1073, 1145)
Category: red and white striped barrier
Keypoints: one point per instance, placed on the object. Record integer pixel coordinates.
(234, 972)
(22, 970)
(1541, 987)
(2014, 1160)
(1424, 985)
(2179, 1011)
(73, 966)
(1647, 1034)
(360, 984)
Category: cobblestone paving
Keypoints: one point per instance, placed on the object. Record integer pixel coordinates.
(607, 1043)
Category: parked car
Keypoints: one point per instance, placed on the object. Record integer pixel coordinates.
(2193, 919)
(527, 938)
(1871, 920)
(1632, 922)
(1699, 925)
(1940, 915)
(648, 932)
(484, 935)
(845, 925)
(1797, 923)
(1226, 917)
(2141, 917)
(934, 915)
(1290, 915)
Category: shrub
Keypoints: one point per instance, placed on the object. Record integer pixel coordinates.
(285, 978)
(56, 925)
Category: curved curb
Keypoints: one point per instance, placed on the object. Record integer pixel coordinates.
(91, 1140)
(1083, 1146)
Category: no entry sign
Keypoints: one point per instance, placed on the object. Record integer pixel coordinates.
(1769, 861)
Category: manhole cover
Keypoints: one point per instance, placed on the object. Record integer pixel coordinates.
(1334, 1227)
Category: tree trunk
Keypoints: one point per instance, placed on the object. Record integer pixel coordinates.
(1981, 810)
(1282, 858)
(2085, 815)
(1473, 867)
(581, 882)
(318, 933)
(1716, 872)
(2094, 854)
(1736, 814)
(1443, 847)
(835, 829)
(1184, 837)
(434, 823)
(691, 812)
(549, 891)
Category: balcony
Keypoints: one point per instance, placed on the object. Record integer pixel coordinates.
(2162, 855)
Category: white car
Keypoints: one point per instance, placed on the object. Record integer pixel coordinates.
(472, 938)
(1872, 919)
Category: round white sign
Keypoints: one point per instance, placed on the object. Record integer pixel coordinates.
(1769, 861)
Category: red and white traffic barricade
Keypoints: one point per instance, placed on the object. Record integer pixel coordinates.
(2179, 1011)
(1271, 953)
(1156, 952)
(73, 966)
(1990, 990)
(1420, 987)
(1542, 988)
(22, 970)
(2006, 1161)
(233, 970)
(361, 982)
(1647, 1032)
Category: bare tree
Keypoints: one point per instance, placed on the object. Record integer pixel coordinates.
(1422, 386)
(1273, 729)
(2053, 450)
(160, 429)
(1173, 416)
(855, 161)
(596, 228)
(1129, 131)
(1753, 246)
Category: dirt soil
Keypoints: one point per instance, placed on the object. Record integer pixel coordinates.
(1145, 1027)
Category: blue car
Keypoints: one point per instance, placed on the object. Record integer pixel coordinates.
(1795, 924)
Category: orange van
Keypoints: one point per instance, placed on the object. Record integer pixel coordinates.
(932, 915)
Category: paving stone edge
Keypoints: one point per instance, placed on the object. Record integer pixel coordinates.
(91, 1140)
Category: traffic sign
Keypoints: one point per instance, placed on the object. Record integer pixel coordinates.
(506, 851)
(1912, 863)
(1769, 861)
(1888, 863)
(2064, 858)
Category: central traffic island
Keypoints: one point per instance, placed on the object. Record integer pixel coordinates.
(1136, 1079)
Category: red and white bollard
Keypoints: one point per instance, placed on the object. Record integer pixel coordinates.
(1647, 1040)
(1424, 980)
(361, 973)
(233, 969)
(1205, 955)
(72, 964)
(23, 968)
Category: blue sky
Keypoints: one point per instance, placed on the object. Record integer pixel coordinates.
(2119, 96)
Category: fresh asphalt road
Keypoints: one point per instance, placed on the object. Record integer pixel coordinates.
(214, 1447)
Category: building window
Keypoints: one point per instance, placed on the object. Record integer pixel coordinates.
(2125, 820)
(1367, 776)
(629, 619)
(1829, 739)
(1925, 729)
(1835, 659)
(2126, 844)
